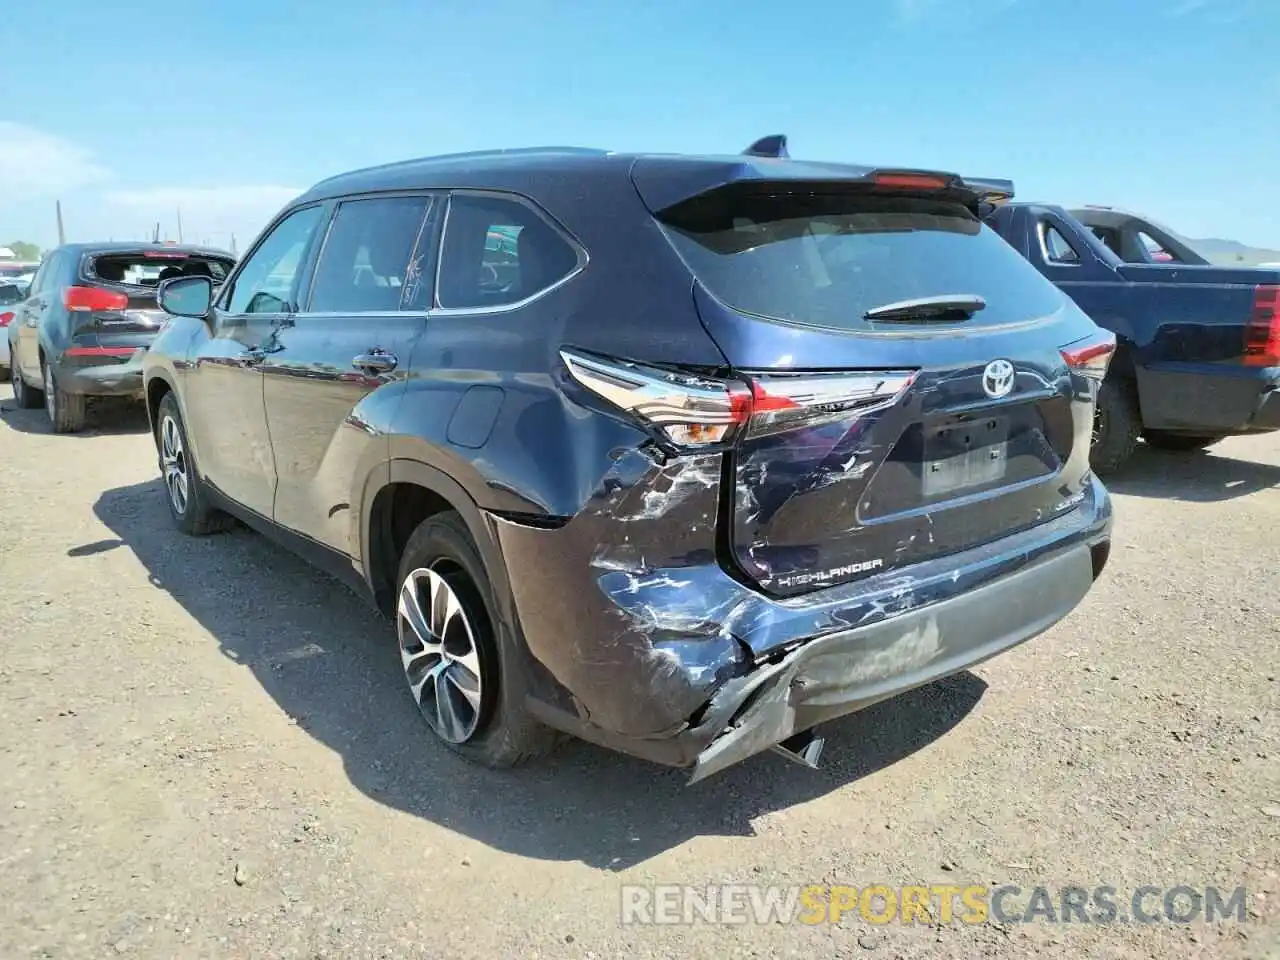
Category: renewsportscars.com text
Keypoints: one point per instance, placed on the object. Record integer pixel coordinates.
(940, 903)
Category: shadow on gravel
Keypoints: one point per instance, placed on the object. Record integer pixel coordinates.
(104, 417)
(329, 661)
(1198, 477)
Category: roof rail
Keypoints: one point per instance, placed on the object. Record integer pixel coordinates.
(774, 145)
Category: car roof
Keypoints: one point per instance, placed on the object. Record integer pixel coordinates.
(512, 169)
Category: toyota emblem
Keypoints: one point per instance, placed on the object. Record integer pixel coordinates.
(997, 379)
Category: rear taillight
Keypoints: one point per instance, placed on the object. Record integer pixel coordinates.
(779, 402)
(1262, 335)
(6, 318)
(696, 411)
(93, 299)
(690, 410)
(1091, 356)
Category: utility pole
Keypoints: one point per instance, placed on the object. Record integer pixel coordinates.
(179, 224)
(233, 244)
(62, 234)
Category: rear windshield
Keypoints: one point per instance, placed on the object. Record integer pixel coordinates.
(148, 269)
(826, 260)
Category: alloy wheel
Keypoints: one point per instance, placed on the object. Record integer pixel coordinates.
(1099, 424)
(173, 463)
(439, 654)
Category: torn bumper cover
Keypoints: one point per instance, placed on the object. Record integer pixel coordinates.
(637, 639)
(843, 672)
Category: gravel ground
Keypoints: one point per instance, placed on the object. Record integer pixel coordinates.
(206, 752)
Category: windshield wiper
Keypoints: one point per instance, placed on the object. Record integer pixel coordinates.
(944, 307)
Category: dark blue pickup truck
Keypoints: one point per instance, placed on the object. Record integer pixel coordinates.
(1198, 355)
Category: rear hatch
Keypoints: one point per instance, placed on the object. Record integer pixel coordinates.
(114, 301)
(916, 387)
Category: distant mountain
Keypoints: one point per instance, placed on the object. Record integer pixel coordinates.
(1228, 252)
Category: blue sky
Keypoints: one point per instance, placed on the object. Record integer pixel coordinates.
(1171, 107)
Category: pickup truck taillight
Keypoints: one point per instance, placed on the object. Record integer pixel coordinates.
(1262, 336)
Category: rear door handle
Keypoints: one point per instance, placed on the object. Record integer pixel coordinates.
(378, 361)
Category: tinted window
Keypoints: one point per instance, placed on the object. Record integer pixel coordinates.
(497, 252)
(10, 293)
(827, 260)
(1058, 248)
(368, 261)
(266, 283)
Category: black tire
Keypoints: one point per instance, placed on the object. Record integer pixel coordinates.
(66, 410)
(23, 395)
(191, 513)
(1178, 442)
(1117, 424)
(505, 735)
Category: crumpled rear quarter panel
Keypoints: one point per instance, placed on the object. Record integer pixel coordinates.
(625, 605)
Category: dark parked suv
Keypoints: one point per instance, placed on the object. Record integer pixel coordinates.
(87, 319)
(680, 455)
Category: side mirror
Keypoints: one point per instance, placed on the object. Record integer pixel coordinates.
(186, 296)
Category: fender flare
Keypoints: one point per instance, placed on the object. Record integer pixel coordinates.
(460, 501)
(150, 377)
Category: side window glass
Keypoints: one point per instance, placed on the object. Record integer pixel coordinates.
(42, 274)
(369, 262)
(497, 252)
(1109, 238)
(1156, 252)
(265, 285)
(1057, 248)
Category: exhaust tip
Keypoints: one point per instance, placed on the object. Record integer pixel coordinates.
(802, 748)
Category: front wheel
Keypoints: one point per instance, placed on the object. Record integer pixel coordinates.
(1179, 442)
(462, 668)
(23, 395)
(1116, 425)
(188, 503)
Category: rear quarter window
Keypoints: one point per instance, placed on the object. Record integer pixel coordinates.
(826, 260)
(497, 252)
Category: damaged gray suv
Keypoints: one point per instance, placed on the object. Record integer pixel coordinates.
(679, 455)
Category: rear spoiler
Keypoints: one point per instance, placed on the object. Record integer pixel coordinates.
(990, 190)
(666, 182)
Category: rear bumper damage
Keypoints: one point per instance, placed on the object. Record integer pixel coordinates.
(846, 671)
(104, 379)
(638, 640)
